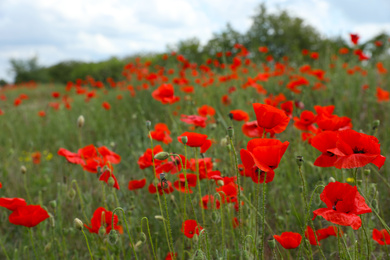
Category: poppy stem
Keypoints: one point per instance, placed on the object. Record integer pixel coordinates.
(127, 227)
(223, 246)
(32, 243)
(26, 188)
(263, 219)
(169, 223)
(387, 250)
(199, 188)
(150, 237)
(80, 198)
(207, 242)
(104, 195)
(86, 240)
(185, 181)
(344, 242)
(5, 252)
(257, 195)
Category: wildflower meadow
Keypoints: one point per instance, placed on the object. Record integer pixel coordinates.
(233, 158)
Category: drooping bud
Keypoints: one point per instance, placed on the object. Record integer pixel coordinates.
(184, 139)
(142, 237)
(161, 156)
(23, 169)
(230, 131)
(331, 179)
(80, 121)
(376, 124)
(271, 243)
(102, 231)
(112, 237)
(159, 217)
(52, 220)
(137, 244)
(78, 224)
(148, 124)
(220, 182)
(53, 204)
(367, 172)
(299, 160)
(111, 182)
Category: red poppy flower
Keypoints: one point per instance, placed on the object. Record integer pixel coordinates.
(204, 166)
(263, 49)
(235, 222)
(28, 216)
(314, 55)
(333, 122)
(263, 153)
(287, 107)
(239, 115)
(105, 176)
(228, 192)
(381, 236)
(152, 188)
(320, 233)
(306, 121)
(108, 155)
(42, 113)
(206, 145)
(97, 222)
(180, 184)
(194, 139)
(354, 38)
(12, 203)
(382, 95)
(190, 227)
(208, 202)
(226, 100)
(194, 120)
(274, 120)
(324, 142)
(36, 157)
(251, 129)
(137, 184)
(206, 110)
(344, 204)
(70, 157)
(171, 256)
(55, 94)
(17, 102)
(289, 240)
(146, 160)
(174, 165)
(165, 94)
(161, 133)
(106, 105)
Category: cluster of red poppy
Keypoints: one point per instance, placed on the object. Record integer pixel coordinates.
(102, 219)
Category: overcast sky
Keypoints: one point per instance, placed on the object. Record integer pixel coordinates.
(92, 30)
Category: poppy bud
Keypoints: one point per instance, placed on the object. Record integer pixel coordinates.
(111, 182)
(367, 172)
(230, 116)
(220, 183)
(80, 121)
(23, 169)
(215, 217)
(78, 224)
(148, 124)
(159, 217)
(162, 176)
(53, 204)
(230, 131)
(271, 243)
(102, 231)
(52, 220)
(112, 237)
(224, 141)
(299, 160)
(331, 179)
(71, 193)
(213, 126)
(137, 244)
(172, 198)
(184, 139)
(47, 247)
(161, 156)
(143, 237)
(199, 255)
(376, 124)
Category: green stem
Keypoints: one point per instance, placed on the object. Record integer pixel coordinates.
(207, 242)
(223, 245)
(150, 237)
(199, 188)
(169, 223)
(104, 196)
(5, 252)
(32, 243)
(26, 188)
(263, 219)
(127, 227)
(86, 240)
(344, 242)
(80, 198)
(257, 195)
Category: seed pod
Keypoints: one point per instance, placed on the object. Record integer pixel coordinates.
(112, 237)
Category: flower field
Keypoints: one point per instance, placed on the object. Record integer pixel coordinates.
(230, 159)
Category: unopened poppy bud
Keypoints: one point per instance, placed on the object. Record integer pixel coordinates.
(271, 243)
(80, 121)
(148, 124)
(52, 220)
(53, 204)
(213, 126)
(71, 193)
(161, 156)
(137, 244)
(159, 217)
(48, 247)
(184, 139)
(220, 183)
(172, 198)
(111, 182)
(78, 224)
(224, 141)
(199, 254)
(162, 176)
(229, 147)
(112, 237)
(215, 217)
(376, 124)
(102, 231)
(299, 160)
(331, 179)
(23, 169)
(230, 131)
(142, 237)
(367, 172)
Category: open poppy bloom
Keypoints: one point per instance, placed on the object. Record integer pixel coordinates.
(137, 184)
(28, 216)
(289, 240)
(274, 120)
(381, 236)
(251, 129)
(146, 160)
(106, 105)
(165, 94)
(305, 121)
(97, 222)
(171, 256)
(324, 142)
(194, 120)
(194, 139)
(173, 166)
(208, 202)
(169, 189)
(12, 203)
(344, 204)
(320, 233)
(161, 133)
(239, 115)
(190, 227)
(354, 38)
(206, 110)
(263, 155)
(105, 176)
(180, 184)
